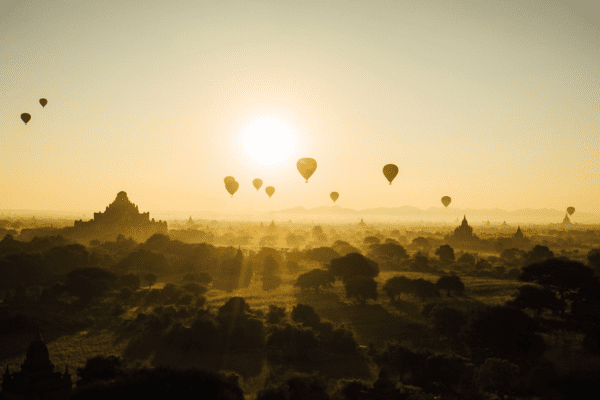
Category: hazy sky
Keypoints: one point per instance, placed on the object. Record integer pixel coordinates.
(493, 103)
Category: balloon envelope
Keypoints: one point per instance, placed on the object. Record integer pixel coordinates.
(270, 190)
(25, 117)
(446, 201)
(390, 171)
(232, 187)
(43, 102)
(229, 178)
(334, 196)
(257, 183)
(306, 167)
(571, 210)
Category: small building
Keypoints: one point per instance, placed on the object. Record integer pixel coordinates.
(37, 379)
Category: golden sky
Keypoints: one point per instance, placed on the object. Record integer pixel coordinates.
(493, 103)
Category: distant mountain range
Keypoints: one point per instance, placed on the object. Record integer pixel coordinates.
(409, 211)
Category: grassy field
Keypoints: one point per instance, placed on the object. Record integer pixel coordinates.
(374, 322)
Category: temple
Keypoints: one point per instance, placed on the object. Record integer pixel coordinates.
(120, 217)
(566, 221)
(37, 379)
(464, 231)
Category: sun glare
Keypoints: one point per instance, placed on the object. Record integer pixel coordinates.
(268, 140)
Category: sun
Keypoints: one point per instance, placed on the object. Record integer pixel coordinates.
(268, 139)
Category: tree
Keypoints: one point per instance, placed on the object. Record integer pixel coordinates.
(315, 279)
(506, 333)
(496, 375)
(420, 263)
(270, 279)
(351, 265)
(593, 257)
(322, 255)
(130, 281)
(467, 260)
(344, 248)
(150, 279)
(305, 314)
(397, 285)
(421, 243)
(361, 288)
(446, 254)
(292, 267)
(424, 289)
(450, 283)
(389, 252)
(90, 283)
(538, 254)
(143, 260)
(259, 258)
(248, 274)
(536, 299)
(563, 276)
(271, 282)
(228, 276)
(99, 368)
(447, 321)
(369, 240)
(63, 259)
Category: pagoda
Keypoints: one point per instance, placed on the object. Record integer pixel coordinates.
(566, 221)
(464, 231)
(37, 379)
(120, 217)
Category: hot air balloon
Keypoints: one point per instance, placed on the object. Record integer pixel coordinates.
(232, 187)
(571, 210)
(390, 171)
(446, 201)
(257, 183)
(229, 178)
(306, 167)
(25, 117)
(270, 190)
(43, 102)
(334, 196)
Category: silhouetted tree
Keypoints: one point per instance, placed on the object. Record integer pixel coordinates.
(322, 255)
(275, 314)
(421, 242)
(536, 299)
(424, 289)
(315, 279)
(99, 368)
(506, 333)
(165, 382)
(150, 279)
(130, 281)
(496, 375)
(90, 283)
(369, 240)
(563, 276)
(392, 252)
(446, 254)
(63, 259)
(537, 254)
(361, 288)
(467, 260)
(593, 258)
(292, 267)
(353, 264)
(271, 282)
(450, 283)
(447, 321)
(305, 314)
(397, 285)
(420, 263)
(248, 274)
(143, 260)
